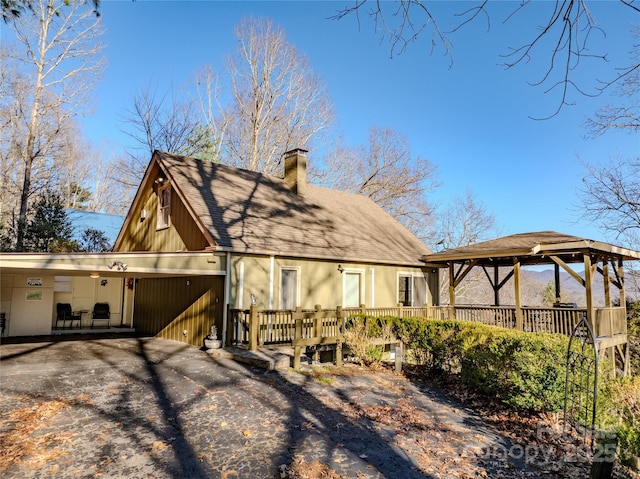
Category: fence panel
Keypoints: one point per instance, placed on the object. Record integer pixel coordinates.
(238, 326)
(276, 326)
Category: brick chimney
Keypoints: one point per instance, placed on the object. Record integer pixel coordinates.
(295, 170)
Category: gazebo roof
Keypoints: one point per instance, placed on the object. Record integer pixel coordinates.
(530, 248)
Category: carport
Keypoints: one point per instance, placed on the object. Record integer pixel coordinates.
(172, 295)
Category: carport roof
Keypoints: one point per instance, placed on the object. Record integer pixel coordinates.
(137, 264)
(530, 248)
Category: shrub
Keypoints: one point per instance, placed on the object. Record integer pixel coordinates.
(526, 371)
(361, 332)
(619, 410)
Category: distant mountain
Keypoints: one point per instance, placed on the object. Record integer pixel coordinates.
(475, 289)
(570, 287)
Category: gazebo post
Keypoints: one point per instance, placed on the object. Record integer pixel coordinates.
(588, 284)
(556, 278)
(623, 298)
(516, 285)
(626, 354)
(605, 276)
(496, 289)
(452, 292)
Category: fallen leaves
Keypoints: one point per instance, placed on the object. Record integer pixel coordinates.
(301, 469)
(23, 440)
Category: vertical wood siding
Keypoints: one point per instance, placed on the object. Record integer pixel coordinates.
(182, 234)
(167, 307)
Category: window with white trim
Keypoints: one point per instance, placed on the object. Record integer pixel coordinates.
(164, 207)
(412, 289)
(289, 288)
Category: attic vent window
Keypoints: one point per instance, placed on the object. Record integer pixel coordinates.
(164, 206)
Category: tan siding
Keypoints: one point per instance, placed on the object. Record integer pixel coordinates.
(166, 307)
(320, 281)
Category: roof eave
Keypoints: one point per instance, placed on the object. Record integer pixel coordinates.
(338, 259)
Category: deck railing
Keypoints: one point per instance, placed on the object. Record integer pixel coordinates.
(284, 326)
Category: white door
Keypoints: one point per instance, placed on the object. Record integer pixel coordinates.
(289, 288)
(352, 290)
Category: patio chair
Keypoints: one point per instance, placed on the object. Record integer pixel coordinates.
(64, 313)
(101, 312)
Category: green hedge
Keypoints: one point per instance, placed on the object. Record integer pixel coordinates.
(526, 371)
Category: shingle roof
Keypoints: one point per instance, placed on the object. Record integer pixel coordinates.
(535, 244)
(253, 212)
(516, 242)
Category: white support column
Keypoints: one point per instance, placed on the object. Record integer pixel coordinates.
(372, 271)
(227, 290)
(240, 288)
(272, 266)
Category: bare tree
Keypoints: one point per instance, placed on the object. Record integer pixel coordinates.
(168, 122)
(214, 125)
(385, 170)
(13, 85)
(278, 103)
(610, 198)
(60, 56)
(16, 8)
(464, 220)
(624, 116)
(610, 193)
(568, 30)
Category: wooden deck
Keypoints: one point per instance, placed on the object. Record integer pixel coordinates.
(317, 327)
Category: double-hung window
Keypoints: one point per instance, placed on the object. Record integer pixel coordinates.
(164, 207)
(412, 289)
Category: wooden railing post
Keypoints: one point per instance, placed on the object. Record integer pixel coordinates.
(317, 322)
(253, 328)
(297, 335)
(340, 326)
(231, 327)
(400, 310)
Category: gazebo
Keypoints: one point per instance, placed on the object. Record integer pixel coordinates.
(598, 259)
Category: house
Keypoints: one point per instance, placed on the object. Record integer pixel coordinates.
(201, 238)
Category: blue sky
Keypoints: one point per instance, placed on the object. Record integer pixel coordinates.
(472, 120)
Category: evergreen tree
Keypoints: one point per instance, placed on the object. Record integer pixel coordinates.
(49, 229)
(94, 241)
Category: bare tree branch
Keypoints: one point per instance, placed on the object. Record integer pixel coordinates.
(610, 197)
(278, 102)
(384, 170)
(60, 56)
(568, 29)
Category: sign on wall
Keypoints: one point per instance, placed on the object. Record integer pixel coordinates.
(34, 281)
(35, 295)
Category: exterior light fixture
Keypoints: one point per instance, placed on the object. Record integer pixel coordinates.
(340, 268)
(120, 265)
(94, 275)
